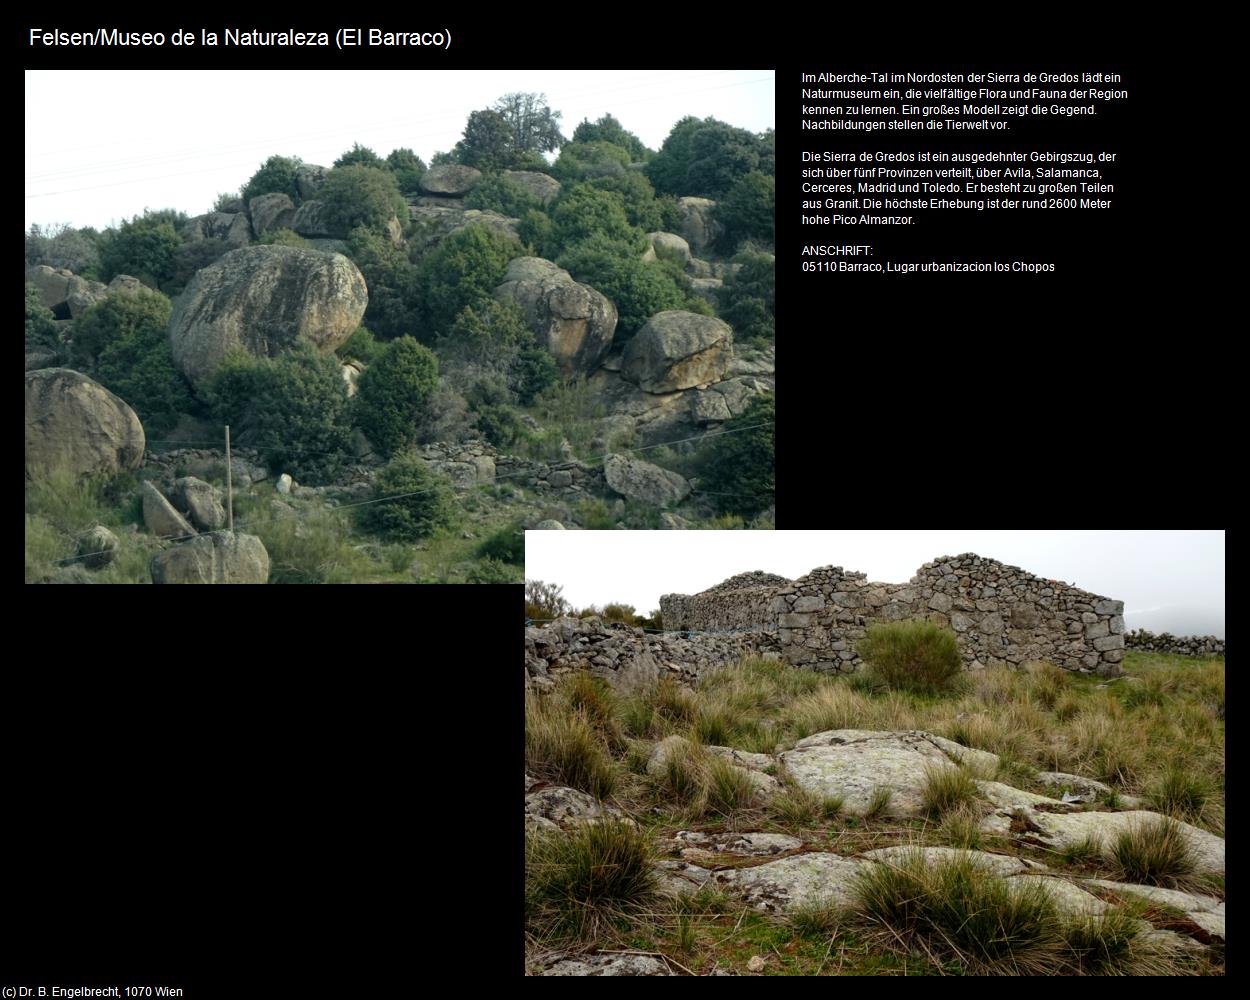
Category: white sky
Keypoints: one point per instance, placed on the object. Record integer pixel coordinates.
(103, 145)
(1168, 580)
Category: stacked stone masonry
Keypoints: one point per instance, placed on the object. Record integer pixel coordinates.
(1000, 614)
(627, 656)
(1165, 642)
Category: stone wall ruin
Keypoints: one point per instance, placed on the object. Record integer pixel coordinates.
(1001, 615)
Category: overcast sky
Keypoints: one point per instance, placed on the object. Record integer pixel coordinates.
(102, 146)
(1169, 580)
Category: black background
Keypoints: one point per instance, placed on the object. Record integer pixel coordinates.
(296, 786)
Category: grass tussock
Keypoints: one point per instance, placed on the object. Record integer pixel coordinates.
(579, 885)
(914, 656)
(879, 802)
(946, 789)
(1181, 791)
(1047, 683)
(797, 807)
(729, 788)
(961, 827)
(563, 745)
(1155, 852)
(826, 708)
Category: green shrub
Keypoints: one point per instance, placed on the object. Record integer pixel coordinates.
(275, 176)
(408, 169)
(488, 334)
(139, 367)
(579, 884)
(191, 258)
(579, 161)
(392, 393)
(582, 211)
(912, 655)
(748, 299)
(360, 155)
(284, 238)
(493, 571)
(144, 247)
(747, 210)
(608, 129)
(431, 505)
(739, 477)
(507, 545)
(544, 600)
(488, 143)
(642, 207)
(118, 317)
(64, 247)
(316, 548)
(637, 288)
(463, 270)
(496, 193)
(394, 284)
(361, 196)
(41, 328)
(532, 373)
(360, 346)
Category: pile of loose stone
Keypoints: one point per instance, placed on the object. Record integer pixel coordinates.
(1166, 642)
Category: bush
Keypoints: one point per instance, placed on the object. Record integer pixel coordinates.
(41, 328)
(139, 366)
(425, 501)
(292, 408)
(63, 246)
(361, 196)
(275, 176)
(638, 289)
(316, 548)
(740, 461)
(117, 317)
(392, 393)
(747, 211)
(583, 211)
(506, 545)
(487, 334)
(192, 257)
(143, 247)
(360, 346)
(360, 155)
(642, 208)
(463, 271)
(581, 160)
(408, 169)
(912, 655)
(748, 300)
(393, 282)
(284, 238)
(495, 193)
(608, 129)
(544, 600)
(493, 571)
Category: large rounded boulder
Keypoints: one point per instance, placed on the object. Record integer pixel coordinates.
(452, 179)
(219, 557)
(678, 350)
(544, 187)
(75, 423)
(264, 299)
(572, 321)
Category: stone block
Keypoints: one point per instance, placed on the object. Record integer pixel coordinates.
(809, 604)
(940, 602)
(1096, 630)
(1109, 607)
(794, 621)
(1117, 625)
(1109, 642)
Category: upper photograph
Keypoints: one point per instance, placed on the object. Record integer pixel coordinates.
(369, 327)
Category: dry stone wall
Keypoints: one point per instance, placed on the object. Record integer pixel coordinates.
(1001, 615)
(1165, 642)
(627, 656)
(737, 603)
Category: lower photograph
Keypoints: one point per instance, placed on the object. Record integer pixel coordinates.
(744, 759)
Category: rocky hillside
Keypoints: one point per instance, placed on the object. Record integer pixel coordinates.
(579, 343)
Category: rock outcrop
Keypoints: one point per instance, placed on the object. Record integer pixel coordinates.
(62, 291)
(75, 423)
(264, 299)
(219, 557)
(161, 517)
(451, 179)
(434, 223)
(678, 350)
(232, 227)
(97, 546)
(544, 187)
(635, 479)
(310, 222)
(698, 223)
(271, 211)
(202, 502)
(572, 321)
(308, 180)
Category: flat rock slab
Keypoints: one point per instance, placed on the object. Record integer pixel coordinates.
(804, 879)
(560, 807)
(1060, 830)
(999, 864)
(1205, 911)
(746, 844)
(854, 763)
(564, 964)
(1007, 797)
(1067, 897)
(1087, 788)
